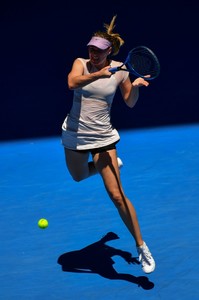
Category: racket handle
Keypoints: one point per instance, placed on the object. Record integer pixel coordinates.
(113, 70)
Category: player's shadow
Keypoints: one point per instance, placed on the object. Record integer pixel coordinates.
(97, 258)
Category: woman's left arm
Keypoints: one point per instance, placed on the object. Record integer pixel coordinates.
(130, 90)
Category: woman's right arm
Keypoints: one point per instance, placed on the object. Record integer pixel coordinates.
(77, 78)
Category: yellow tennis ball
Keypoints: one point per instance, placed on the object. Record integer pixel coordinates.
(43, 223)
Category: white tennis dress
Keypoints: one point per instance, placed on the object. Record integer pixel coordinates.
(88, 124)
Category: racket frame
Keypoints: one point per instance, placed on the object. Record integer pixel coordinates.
(128, 67)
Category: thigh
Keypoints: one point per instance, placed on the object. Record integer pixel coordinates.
(77, 163)
(107, 165)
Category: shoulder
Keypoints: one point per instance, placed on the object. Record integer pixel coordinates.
(82, 60)
(80, 65)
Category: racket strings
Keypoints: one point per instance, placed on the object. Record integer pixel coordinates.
(144, 62)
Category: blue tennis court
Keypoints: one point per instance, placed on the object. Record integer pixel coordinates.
(68, 260)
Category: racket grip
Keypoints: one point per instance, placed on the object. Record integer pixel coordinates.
(113, 70)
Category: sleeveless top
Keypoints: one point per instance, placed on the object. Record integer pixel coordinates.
(88, 124)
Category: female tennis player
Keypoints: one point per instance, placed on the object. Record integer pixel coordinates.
(88, 129)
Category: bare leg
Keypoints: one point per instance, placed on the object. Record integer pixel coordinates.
(78, 165)
(107, 166)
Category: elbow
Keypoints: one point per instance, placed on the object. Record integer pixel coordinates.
(71, 83)
(131, 104)
(71, 86)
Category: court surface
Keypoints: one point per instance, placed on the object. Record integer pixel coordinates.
(161, 177)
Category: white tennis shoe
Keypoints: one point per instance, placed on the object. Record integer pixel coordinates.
(146, 258)
(120, 163)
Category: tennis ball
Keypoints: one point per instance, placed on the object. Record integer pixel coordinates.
(43, 223)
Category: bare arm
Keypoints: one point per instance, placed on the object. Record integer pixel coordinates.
(130, 90)
(76, 77)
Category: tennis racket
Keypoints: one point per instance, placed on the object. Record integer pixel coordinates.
(141, 62)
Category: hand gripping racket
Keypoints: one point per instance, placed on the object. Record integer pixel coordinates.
(141, 62)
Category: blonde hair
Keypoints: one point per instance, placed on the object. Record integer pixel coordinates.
(114, 38)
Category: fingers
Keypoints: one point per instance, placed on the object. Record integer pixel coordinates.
(138, 82)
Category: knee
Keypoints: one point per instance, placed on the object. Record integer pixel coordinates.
(118, 198)
(78, 174)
